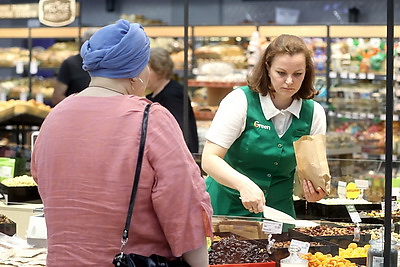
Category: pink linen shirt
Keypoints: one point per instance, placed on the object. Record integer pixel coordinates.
(84, 161)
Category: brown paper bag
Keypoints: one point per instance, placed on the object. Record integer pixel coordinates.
(312, 163)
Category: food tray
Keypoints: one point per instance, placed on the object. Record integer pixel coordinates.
(8, 228)
(260, 264)
(19, 193)
(281, 253)
(336, 211)
(342, 240)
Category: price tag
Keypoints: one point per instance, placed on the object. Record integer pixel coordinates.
(271, 227)
(23, 96)
(363, 115)
(354, 215)
(39, 98)
(371, 76)
(304, 246)
(362, 184)
(371, 116)
(355, 115)
(343, 75)
(347, 115)
(383, 117)
(352, 75)
(3, 96)
(395, 205)
(19, 67)
(332, 74)
(362, 76)
(342, 189)
(33, 67)
(396, 117)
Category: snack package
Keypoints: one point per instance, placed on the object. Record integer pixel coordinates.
(312, 164)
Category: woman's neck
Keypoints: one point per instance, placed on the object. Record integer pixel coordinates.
(281, 104)
(160, 86)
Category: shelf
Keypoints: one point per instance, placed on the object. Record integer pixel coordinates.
(300, 30)
(195, 83)
(343, 151)
(367, 31)
(224, 31)
(357, 76)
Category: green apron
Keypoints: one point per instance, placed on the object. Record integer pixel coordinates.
(265, 158)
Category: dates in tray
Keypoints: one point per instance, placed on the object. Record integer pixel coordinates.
(232, 251)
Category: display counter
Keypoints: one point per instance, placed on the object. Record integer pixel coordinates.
(20, 214)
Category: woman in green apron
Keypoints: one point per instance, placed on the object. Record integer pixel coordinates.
(249, 152)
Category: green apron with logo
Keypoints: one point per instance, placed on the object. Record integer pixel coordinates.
(265, 158)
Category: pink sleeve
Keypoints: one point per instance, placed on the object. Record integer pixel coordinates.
(179, 194)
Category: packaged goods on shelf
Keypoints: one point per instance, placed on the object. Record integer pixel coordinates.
(54, 55)
(10, 56)
(227, 53)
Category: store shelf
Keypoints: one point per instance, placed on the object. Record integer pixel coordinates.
(366, 31)
(195, 83)
(300, 30)
(224, 31)
(343, 151)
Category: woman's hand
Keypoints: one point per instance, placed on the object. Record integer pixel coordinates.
(252, 197)
(310, 193)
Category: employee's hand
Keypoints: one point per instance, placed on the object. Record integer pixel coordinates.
(311, 194)
(252, 197)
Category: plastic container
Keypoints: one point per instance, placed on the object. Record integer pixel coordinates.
(375, 253)
(294, 260)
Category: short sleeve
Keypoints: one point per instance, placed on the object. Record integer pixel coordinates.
(229, 120)
(319, 120)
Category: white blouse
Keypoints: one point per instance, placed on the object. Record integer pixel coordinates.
(230, 120)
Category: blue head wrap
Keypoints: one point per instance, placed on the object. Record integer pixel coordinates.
(119, 50)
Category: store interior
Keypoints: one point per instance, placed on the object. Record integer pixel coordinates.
(349, 44)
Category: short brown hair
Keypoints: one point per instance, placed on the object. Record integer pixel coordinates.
(259, 80)
(161, 63)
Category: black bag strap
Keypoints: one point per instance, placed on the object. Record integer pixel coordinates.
(124, 239)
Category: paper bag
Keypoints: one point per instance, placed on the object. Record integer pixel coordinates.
(312, 163)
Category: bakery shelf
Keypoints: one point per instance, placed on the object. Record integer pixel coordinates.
(300, 30)
(195, 83)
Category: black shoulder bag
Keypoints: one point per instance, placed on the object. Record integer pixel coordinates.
(134, 260)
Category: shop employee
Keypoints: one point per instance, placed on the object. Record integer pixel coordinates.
(249, 152)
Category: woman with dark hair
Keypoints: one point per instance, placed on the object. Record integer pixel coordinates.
(249, 152)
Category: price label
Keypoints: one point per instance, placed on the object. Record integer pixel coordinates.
(39, 98)
(343, 75)
(362, 76)
(371, 116)
(271, 227)
(33, 67)
(3, 96)
(352, 75)
(332, 74)
(19, 67)
(342, 189)
(354, 215)
(304, 246)
(370, 76)
(23, 96)
(362, 184)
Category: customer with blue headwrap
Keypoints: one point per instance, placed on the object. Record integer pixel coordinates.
(85, 171)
